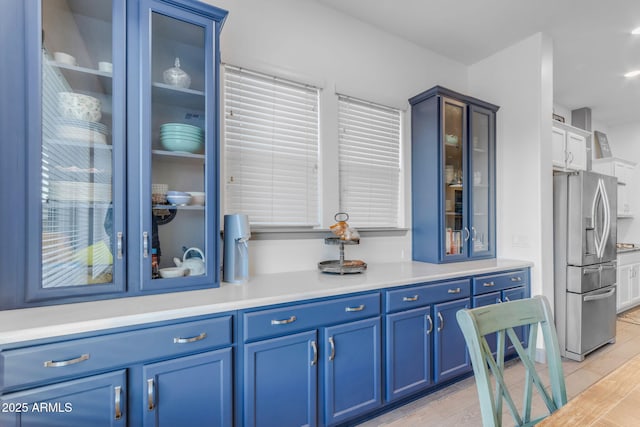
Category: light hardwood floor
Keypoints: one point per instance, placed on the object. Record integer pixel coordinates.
(457, 405)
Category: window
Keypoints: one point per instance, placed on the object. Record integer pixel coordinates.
(369, 147)
(271, 132)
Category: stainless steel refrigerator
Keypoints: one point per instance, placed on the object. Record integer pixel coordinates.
(584, 208)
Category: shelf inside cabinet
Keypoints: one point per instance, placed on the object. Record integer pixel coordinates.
(181, 207)
(171, 95)
(85, 79)
(178, 155)
(79, 143)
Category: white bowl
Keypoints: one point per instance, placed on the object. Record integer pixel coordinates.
(171, 272)
(105, 66)
(64, 58)
(197, 198)
(178, 200)
(78, 106)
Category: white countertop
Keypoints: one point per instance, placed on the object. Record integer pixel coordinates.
(53, 321)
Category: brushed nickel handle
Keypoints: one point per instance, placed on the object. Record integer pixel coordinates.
(411, 299)
(475, 234)
(516, 279)
(119, 245)
(117, 401)
(430, 329)
(454, 291)
(150, 395)
(314, 346)
(488, 284)
(145, 244)
(188, 340)
(333, 349)
(358, 308)
(468, 234)
(441, 325)
(284, 321)
(54, 364)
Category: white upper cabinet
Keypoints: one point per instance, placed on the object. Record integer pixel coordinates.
(623, 170)
(569, 147)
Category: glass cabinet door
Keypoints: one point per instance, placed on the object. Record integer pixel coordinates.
(78, 52)
(177, 142)
(454, 134)
(481, 170)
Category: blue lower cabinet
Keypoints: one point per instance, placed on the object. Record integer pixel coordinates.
(506, 295)
(189, 391)
(352, 370)
(451, 355)
(408, 352)
(96, 401)
(280, 381)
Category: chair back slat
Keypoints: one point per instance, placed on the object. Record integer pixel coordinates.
(502, 319)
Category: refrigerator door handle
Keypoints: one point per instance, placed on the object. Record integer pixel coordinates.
(600, 234)
(600, 296)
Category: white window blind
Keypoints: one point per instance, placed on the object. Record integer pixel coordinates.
(271, 149)
(369, 140)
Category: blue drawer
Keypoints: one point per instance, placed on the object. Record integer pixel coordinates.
(422, 295)
(74, 358)
(299, 317)
(497, 282)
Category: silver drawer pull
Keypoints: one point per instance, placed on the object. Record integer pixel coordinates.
(52, 364)
(516, 279)
(188, 340)
(453, 291)
(430, 329)
(150, 395)
(488, 284)
(411, 299)
(119, 245)
(333, 348)
(358, 308)
(284, 322)
(118, 410)
(314, 347)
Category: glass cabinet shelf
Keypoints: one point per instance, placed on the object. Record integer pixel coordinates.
(185, 207)
(85, 79)
(171, 95)
(178, 154)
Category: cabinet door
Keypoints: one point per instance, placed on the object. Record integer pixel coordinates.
(76, 148)
(280, 381)
(408, 363)
(98, 401)
(175, 128)
(482, 181)
(576, 151)
(558, 147)
(352, 370)
(451, 355)
(634, 283)
(189, 391)
(454, 134)
(624, 287)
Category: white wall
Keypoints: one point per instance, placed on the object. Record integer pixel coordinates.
(520, 80)
(625, 143)
(309, 43)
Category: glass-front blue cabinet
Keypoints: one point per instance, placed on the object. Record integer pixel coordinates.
(453, 176)
(114, 136)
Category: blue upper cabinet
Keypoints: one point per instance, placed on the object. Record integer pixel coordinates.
(120, 108)
(453, 176)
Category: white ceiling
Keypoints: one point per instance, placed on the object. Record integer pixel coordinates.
(593, 45)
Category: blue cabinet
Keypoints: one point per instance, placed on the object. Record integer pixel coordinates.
(280, 381)
(498, 288)
(172, 374)
(408, 351)
(189, 391)
(315, 363)
(92, 159)
(99, 400)
(352, 373)
(451, 355)
(453, 160)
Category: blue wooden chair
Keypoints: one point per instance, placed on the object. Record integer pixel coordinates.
(501, 319)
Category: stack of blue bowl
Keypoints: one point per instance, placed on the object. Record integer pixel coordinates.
(181, 137)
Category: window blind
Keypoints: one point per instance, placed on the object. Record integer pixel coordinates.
(369, 150)
(271, 149)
